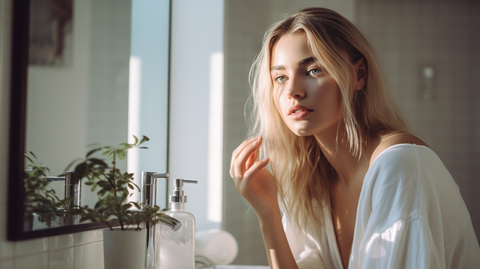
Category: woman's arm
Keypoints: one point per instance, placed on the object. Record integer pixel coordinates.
(257, 185)
(278, 250)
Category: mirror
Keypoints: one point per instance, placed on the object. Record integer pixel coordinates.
(81, 75)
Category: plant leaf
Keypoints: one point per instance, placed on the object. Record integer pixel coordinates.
(93, 151)
(80, 172)
(144, 139)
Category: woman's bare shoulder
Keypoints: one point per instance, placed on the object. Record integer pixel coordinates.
(392, 139)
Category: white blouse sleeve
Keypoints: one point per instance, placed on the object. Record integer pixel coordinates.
(305, 248)
(405, 244)
(398, 217)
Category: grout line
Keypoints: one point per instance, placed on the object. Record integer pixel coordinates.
(6, 259)
(93, 242)
(48, 250)
(31, 254)
(74, 252)
(74, 256)
(48, 255)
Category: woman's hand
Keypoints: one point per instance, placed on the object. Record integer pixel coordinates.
(252, 179)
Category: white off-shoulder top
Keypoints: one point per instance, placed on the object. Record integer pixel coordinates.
(410, 214)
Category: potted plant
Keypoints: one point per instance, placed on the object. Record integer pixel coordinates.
(125, 246)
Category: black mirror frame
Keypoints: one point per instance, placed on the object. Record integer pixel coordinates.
(18, 107)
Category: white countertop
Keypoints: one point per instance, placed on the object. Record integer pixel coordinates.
(242, 267)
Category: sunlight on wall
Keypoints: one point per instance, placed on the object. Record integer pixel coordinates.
(133, 118)
(215, 139)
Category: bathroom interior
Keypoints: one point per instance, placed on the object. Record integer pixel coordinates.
(177, 72)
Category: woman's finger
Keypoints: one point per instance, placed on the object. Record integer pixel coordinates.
(254, 156)
(251, 159)
(244, 185)
(254, 169)
(239, 150)
(239, 164)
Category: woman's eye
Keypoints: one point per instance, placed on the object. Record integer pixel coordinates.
(314, 71)
(280, 79)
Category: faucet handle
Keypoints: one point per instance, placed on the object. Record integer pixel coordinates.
(161, 175)
(149, 177)
(53, 178)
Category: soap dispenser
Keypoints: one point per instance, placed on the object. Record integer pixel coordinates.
(177, 248)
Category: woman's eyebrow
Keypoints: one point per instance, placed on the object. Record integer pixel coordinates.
(277, 67)
(305, 61)
(308, 60)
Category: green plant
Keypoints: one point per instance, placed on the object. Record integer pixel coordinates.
(39, 199)
(113, 189)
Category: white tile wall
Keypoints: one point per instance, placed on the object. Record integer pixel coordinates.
(88, 237)
(89, 256)
(72, 251)
(245, 24)
(408, 35)
(29, 247)
(61, 241)
(6, 264)
(37, 261)
(61, 259)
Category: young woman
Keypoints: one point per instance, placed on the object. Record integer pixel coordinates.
(349, 186)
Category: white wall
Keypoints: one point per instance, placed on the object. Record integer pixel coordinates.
(148, 100)
(57, 101)
(196, 35)
(85, 101)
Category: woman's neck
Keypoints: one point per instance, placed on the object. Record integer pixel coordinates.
(350, 168)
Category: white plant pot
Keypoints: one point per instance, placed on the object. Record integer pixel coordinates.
(124, 249)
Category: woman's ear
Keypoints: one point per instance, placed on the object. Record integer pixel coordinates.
(361, 73)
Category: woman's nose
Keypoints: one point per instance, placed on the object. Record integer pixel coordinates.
(295, 89)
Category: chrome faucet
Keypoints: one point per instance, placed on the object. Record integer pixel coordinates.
(73, 190)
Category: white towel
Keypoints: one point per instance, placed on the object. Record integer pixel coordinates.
(217, 245)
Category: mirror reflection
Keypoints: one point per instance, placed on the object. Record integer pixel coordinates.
(80, 93)
(78, 78)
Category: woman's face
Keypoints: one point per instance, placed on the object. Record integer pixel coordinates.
(308, 99)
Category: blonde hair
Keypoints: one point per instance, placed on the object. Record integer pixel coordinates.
(303, 174)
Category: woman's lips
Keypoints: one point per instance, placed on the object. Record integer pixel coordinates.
(299, 114)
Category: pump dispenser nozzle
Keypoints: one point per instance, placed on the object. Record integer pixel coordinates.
(177, 195)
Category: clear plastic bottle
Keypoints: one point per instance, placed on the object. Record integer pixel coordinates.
(177, 248)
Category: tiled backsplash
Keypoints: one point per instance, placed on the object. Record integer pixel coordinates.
(82, 250)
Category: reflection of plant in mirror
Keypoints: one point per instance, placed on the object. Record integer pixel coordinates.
(39, 199)
(114, 188)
